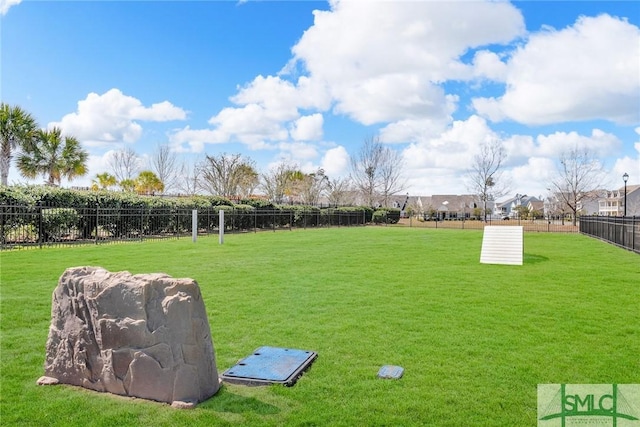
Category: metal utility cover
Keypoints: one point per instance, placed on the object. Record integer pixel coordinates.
(270, 365)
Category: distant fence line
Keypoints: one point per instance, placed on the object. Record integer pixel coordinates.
(528, 225)
(38, 226)
(621, 231)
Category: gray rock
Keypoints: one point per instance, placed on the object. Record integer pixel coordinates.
(144, 335)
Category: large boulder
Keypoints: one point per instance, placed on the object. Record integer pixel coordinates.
(143, 335)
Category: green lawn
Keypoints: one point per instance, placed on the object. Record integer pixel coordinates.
(474, 339)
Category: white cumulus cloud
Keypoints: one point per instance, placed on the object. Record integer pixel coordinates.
(384, 61)
(335, 162)
(113, 117)
(307, 128)
(6, 4)
(587, 71)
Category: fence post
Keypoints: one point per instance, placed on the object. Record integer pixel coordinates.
(633, 234)
(96, 238)
(2, 237)
(40, 225)
(221, 226)
(177, 224)
(194, 225)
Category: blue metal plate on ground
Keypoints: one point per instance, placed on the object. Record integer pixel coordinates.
(270, 365)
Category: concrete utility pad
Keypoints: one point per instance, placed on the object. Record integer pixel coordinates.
(270, 365)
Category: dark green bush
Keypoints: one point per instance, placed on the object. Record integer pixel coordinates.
(386, 216)
(244, 217)
(258, 204)
(58, 223)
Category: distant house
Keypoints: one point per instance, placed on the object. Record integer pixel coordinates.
(611, 203)
(509, 208)
(450, 206)
(535, 205)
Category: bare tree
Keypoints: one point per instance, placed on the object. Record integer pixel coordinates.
(223, 175)
(340, 192)
(124, 163)
(189, 181)
(276, 181)
(164, 164)
(578, 177)
(392, 179)
(377, 171)
(365, 169)
(485, 173)
(313, 186)
(248, 181)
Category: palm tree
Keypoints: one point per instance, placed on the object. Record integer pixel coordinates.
(103, 181)
(128, 185)
(54, 157)
(148, 183)
(17, 129)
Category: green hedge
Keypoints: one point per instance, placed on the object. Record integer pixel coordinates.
(114, 214)
(386, 216)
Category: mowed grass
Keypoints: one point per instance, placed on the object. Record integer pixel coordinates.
(474, 339)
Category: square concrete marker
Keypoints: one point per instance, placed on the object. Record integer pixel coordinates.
(502, 244)
(391, 372)
(270, 365)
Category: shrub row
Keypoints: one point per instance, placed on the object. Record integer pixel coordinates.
(54, 214)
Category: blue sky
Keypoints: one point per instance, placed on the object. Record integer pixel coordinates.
(307, 82)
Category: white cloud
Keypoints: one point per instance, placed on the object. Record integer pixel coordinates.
(298, 152)
(335, 162)
(488, 65)
(453, 149)
(252, 124)
(112, 118)
(420, 129)
(587, 71)
(532, 177)
(443, 162)
(600, 143)
(6, 4)
(281, 97)
(376, 62)
(307, 128)
(275, 96)
(628, 165)
(383, 61)
(391, 97)
(267, 107)
(192, 140)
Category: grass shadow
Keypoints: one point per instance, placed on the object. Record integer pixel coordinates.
(534, 259)
(226, 401)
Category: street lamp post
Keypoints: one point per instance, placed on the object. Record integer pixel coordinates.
(625, 178)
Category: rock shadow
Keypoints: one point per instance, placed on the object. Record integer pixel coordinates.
(226, 401)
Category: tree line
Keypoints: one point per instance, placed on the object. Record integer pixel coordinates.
(376, 171)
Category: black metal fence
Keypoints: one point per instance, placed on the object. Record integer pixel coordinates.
(29, 226)
(621, 231)
(528, 225)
